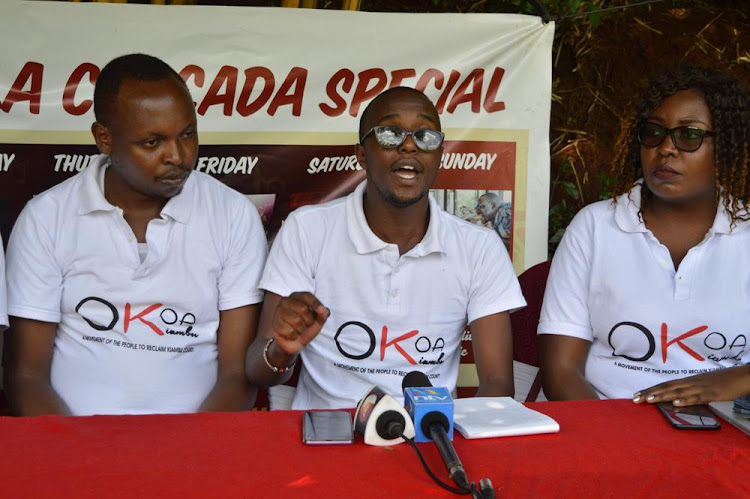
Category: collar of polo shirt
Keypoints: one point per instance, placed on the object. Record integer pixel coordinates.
(627, 219)
(365, 241)
(178, 208)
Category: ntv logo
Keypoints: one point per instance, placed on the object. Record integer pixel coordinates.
(430, 394)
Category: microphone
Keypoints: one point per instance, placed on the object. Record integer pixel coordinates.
(381, 419)
(432, 411)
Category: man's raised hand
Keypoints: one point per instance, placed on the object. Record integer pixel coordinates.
(298, 319)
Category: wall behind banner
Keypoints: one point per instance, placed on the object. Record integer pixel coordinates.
(279, 96)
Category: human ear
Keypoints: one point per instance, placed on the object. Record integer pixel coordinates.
(359, 151)
(102, 137)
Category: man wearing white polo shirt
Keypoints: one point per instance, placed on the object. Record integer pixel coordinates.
(382, 282)
(133, 286)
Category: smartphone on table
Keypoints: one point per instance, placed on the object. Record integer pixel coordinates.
(691, 417)
(327, 427)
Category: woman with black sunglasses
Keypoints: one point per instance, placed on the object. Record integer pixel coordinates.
(652, 288)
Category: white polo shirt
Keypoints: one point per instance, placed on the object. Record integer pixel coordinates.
(134, 337)
(390, 314)
(614, 284)
(3, 293)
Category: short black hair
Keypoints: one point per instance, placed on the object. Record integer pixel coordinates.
(140, 67)
(383, 95)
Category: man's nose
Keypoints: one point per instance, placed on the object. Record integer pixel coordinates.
(408, 146)
(174, 152)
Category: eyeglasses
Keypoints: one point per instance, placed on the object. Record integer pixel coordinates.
(684, 138)
(390, 137)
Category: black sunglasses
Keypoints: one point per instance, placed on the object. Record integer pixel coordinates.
(390, 137)
(684, 138)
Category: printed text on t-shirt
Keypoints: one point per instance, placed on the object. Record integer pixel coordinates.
(156, 317)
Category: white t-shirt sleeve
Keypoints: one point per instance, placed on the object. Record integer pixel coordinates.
(494, 285)
(289, 266)
(3, 291)
(34, 276)
(565, 308)
(244, 259)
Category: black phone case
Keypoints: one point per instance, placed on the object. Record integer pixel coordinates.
(700, 411)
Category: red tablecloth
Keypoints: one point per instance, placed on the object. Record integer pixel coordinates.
(604, 449)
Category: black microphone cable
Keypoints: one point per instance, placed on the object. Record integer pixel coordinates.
(417, 379)
(471, 489)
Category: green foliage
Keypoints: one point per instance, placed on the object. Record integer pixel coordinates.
(563, 211)
(569, 199)
(606, 183)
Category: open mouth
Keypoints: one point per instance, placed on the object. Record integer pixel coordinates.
(406, 172)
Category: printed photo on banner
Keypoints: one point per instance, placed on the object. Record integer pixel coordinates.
(491, 209)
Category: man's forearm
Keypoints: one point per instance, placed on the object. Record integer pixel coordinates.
(567, 385)
(259, 373)
(498, 387)
(232, 393)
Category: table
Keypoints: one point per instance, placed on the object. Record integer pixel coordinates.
(604, 449)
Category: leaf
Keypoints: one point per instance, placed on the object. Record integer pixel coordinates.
(570, 189)
(557, 236)
(595, 19)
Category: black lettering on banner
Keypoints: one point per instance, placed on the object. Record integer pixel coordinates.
(646, 333)
(355, 356)
(115, 314)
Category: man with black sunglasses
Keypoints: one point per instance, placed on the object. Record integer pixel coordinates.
(383, 282)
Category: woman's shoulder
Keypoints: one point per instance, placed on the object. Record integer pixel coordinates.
(594, 214)
(616, 211)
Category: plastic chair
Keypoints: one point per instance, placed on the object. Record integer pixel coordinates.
(524, 323)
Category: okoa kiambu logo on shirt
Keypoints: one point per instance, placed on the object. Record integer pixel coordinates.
(357, 341)
(636, 343)
(101, 315)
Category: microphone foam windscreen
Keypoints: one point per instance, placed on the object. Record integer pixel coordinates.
(415, 379)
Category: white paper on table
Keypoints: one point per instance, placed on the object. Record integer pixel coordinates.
(485, 417)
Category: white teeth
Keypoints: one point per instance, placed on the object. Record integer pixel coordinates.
(406, 175)
(407, 172)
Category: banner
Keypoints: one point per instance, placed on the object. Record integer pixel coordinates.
(279, 93)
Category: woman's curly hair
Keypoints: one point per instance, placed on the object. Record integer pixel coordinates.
(727, 101)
